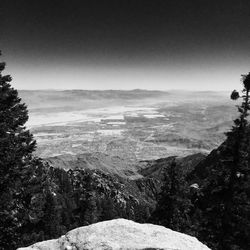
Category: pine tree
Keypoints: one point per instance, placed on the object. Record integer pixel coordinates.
(226, 199)
(32, 202)
(108, 209)
(16, 147)
(91, 214)
(51, 217)
(173, 206)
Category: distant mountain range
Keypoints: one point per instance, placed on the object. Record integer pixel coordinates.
(83, 99)
(73, 98)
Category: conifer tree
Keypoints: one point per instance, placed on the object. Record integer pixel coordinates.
(51, 217)
(91, 213)
(173, 206)
(226, 199)
(16, 147)
(108, 210)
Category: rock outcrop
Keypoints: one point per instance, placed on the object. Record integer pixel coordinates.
(121, 234)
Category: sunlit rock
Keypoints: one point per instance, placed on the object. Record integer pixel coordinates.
(121, 234)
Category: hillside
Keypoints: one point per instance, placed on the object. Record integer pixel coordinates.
(120, 167)
(113, 165)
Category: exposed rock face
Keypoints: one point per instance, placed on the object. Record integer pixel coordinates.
(121, 234)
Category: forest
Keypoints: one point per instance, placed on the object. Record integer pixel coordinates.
(210, 201)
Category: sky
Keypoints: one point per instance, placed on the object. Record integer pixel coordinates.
(126, 44)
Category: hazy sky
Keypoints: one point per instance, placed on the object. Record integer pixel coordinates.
(121, 44)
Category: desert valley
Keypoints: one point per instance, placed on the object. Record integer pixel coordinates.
(135, 124)
(122, 128)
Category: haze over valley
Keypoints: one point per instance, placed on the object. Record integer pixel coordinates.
(132, 125)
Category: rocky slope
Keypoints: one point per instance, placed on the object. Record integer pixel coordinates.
(136, 191)
(155, 168)
(107, 163)
(133, 196)
(117, 166)
(121, 234)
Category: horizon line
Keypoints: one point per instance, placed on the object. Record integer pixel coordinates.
(137, 89)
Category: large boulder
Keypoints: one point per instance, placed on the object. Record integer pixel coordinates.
(121, 234)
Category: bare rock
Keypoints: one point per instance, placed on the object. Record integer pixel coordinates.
(121, 234)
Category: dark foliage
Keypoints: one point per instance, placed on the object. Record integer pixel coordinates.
(225, 187)
(174, 204)
(16, 147)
